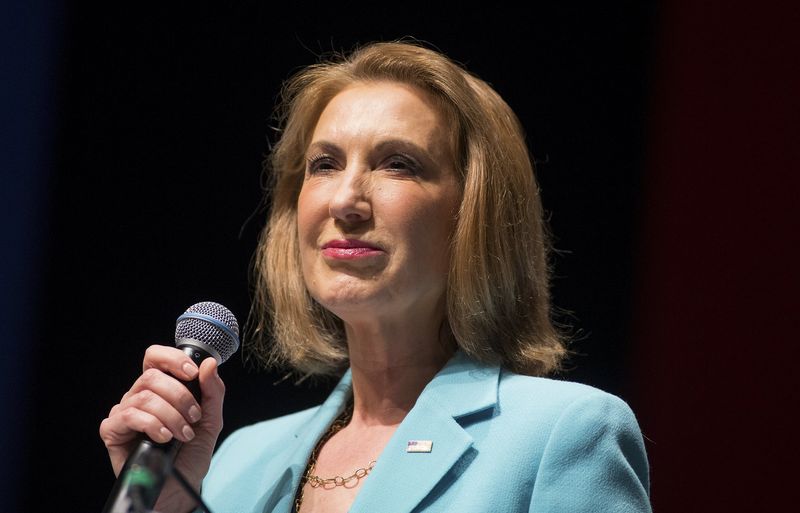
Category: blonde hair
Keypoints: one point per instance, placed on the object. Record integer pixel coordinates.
(498, 298)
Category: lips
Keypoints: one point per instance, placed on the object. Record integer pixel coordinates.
(350, 249)
(349, 244)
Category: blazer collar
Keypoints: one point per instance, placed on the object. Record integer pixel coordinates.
(463, 386)
(280, 497)
(401, 480)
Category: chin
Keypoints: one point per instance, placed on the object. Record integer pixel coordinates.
(344, 304)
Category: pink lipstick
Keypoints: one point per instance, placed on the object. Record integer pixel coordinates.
(350, 249)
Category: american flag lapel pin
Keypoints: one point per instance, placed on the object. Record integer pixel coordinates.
(419, 446)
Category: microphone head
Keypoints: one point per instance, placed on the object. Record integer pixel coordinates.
(209, 326)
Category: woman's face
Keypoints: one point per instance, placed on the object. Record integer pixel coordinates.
(377, 205)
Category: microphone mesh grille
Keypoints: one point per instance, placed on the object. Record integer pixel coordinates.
(209, 333)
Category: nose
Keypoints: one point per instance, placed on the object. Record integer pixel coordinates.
(351, 199)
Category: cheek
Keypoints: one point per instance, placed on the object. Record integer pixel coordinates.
(308, 230)
(308, 212)
(444, 224)
(441, 212)
(428, 226)
(306, 234)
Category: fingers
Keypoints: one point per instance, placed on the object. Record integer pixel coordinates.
(124, 426)
(156, 402)
(174, 396)
(171, 360)
(213, 391)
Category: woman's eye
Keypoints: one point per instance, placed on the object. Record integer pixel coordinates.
(402, 164)
(320, 164)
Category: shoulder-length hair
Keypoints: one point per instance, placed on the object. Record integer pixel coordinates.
(498, 297)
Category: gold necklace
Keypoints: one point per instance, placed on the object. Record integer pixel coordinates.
(332, 482)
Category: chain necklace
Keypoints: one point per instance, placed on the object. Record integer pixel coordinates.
(331, 482)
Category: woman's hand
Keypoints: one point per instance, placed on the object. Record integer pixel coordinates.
(163, 408)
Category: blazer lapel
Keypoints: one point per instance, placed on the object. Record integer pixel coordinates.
(280, 497)
(400, 479)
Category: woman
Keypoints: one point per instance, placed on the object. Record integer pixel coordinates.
(405, 251)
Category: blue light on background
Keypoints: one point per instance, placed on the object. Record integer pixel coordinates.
(29, 38)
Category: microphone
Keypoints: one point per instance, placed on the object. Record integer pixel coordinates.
(206, 329)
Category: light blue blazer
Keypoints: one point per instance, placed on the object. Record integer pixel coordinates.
(501, 442)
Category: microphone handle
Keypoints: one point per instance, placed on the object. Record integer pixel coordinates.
(145, 471)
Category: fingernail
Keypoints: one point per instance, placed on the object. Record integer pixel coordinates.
(194, 413)
(190, 370)
(165, 434)
(188, 433)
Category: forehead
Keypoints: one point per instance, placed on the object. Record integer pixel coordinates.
(384, 109)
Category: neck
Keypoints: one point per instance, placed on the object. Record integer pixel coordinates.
(390, 367)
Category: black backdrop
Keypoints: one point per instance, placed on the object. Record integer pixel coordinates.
(163, 118)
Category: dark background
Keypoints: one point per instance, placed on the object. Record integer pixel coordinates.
(667, 146)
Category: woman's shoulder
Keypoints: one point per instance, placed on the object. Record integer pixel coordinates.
(547, 387)
(251, 460)
(277, 425)
(586, 441)
(472, 386)
(558, 399)
(261, 435)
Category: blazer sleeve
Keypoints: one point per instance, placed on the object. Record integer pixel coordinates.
(594, 461)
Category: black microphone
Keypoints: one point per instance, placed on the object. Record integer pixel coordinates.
(206, 329)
